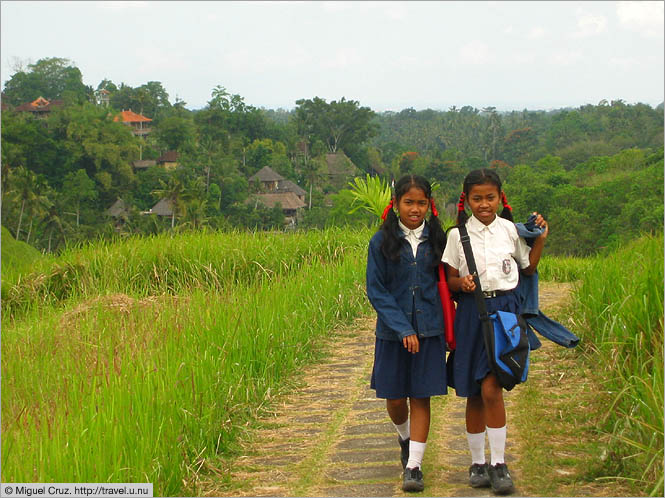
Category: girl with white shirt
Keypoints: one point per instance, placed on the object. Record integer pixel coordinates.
(500, 254)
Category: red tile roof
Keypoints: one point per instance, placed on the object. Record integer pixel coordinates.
(39, 104)
(131, 117)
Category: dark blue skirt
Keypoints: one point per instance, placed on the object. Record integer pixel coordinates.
(468, 366)
(399, 374)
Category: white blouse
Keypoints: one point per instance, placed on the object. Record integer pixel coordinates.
(497, 249)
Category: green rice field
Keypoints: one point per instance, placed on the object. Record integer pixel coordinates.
(141, 360)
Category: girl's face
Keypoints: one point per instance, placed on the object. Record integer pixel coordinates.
(484, 202)
(412, 207)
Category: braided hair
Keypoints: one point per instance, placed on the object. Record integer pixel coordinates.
(391, 244)
(482, 177)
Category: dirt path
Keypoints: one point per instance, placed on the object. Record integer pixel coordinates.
(334, 438)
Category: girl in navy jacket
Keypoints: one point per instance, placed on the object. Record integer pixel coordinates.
(410, 348)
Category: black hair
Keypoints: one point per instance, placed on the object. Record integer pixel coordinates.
(391, 244)
(481, 177)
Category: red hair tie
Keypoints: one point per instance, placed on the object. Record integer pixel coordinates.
(504, 201)
(385, 211)
(434, 211)
(460, 205)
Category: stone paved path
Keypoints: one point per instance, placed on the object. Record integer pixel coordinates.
(333, 437)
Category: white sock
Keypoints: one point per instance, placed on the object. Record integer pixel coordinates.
(416, 452)
(497, 438)
(404, 430)
(477, 446)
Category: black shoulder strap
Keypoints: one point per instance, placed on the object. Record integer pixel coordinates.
(487, 327)
(473, 270)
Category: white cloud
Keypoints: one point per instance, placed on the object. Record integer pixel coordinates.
(474, 53)
(536, 32)
(122, 5)
(589, 25)
(337, 6)
(644, 17)
(565, 58)
(623, 63)
(342, 59)
(396, 10)
(521, 59)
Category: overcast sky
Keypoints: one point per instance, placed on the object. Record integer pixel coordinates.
(386, 55)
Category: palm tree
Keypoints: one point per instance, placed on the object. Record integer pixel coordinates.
(172, 191)
(372, 194)
(39, 205)
(53, 223)
(24, 189)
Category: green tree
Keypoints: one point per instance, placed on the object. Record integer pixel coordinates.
(337, 124)
(51, 78)
(78, 189)
(176, 133)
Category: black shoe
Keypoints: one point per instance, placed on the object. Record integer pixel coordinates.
(500, 479)
(413, 480)
(404, 445)
(478, 476)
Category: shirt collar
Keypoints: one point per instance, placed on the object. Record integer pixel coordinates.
(479, 226)
(418, 232)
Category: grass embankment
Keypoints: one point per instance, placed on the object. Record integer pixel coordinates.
(613, 399)
(164, 263)
(17, 257)
(621, 305)
(148, 385)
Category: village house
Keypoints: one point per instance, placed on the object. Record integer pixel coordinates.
(137, 122)
(278, 190)
(340, 170)
(169, 160)
(40, 107)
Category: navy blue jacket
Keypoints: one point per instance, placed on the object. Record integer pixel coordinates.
(405, 294)
(528, 295)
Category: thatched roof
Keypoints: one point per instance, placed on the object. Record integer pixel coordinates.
(288, 200)
(117, 210)
(170, 156)
(289, 186)
(163, 208)
(145, 163)
(266, 174)
(340, 165)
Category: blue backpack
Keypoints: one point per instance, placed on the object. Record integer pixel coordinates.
(509, 349)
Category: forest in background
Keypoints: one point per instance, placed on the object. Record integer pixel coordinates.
(596, 171)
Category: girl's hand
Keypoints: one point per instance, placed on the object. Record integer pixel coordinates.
(411, 343)
(540, 221)
(467, 284)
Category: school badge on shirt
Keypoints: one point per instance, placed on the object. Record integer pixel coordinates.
(506, 266)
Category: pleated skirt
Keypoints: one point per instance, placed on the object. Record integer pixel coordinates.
(399, 374)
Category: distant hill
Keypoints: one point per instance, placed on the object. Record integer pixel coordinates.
(17, 256)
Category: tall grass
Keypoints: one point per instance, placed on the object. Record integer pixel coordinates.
(170, 264)
(152, 390)
(621, 306)
(563, 269)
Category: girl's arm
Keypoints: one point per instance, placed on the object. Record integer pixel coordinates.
(382, 300)
(538, 245)
(457, 283)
